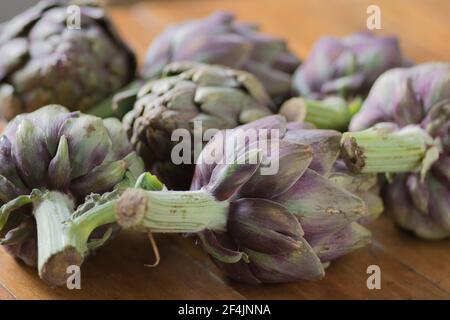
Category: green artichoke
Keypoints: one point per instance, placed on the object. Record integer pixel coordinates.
(45, 61)
(188, 94)
(220, 39)
(55, 166)
(407, 114)
(258, 226)
(339, 73)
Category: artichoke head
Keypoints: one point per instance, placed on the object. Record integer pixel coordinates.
(53, 153)
(51, 55)
(338, 75)
(187, 94)
(414, 103)
(285, 226)
(220, 39)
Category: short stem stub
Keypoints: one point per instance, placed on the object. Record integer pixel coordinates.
(386, 149)
(63, 239)
(171, 211)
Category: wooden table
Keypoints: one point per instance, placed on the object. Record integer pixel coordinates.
(410, 268)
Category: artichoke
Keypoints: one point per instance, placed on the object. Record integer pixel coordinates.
(55, 166)
(189, 94)
(219, 39)
(409, 109)
(262, 202)
(44, 61)
(339, 73)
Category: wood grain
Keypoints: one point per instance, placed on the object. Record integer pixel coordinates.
(411, 269)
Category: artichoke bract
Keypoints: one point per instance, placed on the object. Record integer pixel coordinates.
(339, 73)
(190, 95)
(263, 203)
(47, 60)
(219, 39)
(409, 109)
(56, 165)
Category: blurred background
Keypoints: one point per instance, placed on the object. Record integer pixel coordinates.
(299, 21)
(9, 9)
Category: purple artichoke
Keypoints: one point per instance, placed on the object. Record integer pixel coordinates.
(413, 141)
(339, 73)
(262, 226)
(55, 166)
(43, 61)
(219, 39)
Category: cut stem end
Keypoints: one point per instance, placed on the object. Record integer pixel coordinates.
(55, 270)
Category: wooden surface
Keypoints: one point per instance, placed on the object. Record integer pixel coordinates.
(410, 268)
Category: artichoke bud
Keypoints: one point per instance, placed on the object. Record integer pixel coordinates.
(287, 224)
(43, 62)
(75, 156)
(190, 96)
(219, 39)
(404, 125)
(344, 68)
(259, 226)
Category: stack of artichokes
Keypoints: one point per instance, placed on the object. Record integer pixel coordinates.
(203, 121)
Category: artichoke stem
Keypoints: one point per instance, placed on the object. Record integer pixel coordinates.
(58, 246)
(384, 149)
(96, 217)
(171, 211)
(327, 116)
(332, 113)
(63, 241)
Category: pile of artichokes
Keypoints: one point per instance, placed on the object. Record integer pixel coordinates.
(69, 180)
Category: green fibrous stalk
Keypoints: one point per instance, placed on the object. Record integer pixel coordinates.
(63, 239)
(330, 113)
(63, 234)
(385, 149)
(171, 211)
